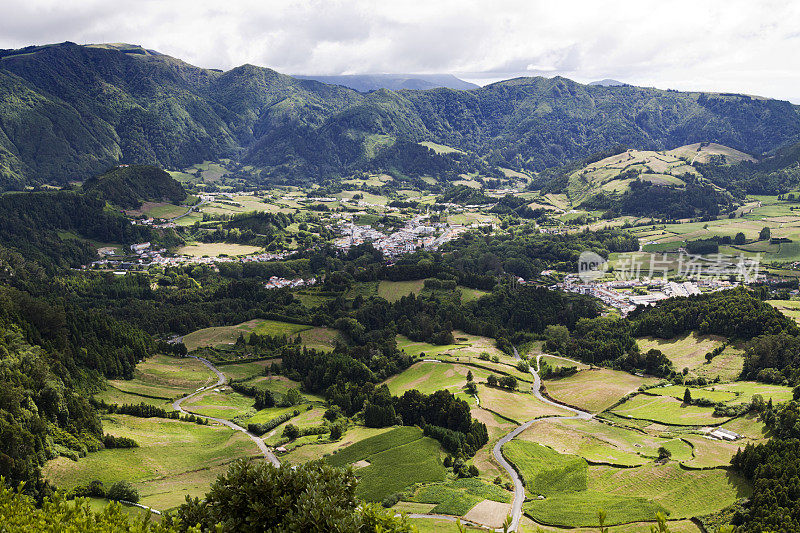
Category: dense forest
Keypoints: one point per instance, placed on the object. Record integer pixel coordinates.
(777, 174)
(772, 468)
(53, 228)
(129, 186)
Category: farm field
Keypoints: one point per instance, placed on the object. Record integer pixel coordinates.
(688, 351)
(668, 411)
(711, 453)
(516, 406)
(392, 291)
(114, 395)
(279, 386)
(575, 490)
(484, 460)
(225, 335)
(226, 404)
(470, 295)
(466, 346)
(428, 377)
(216, 249)
(746, 389)
(594, 390)
(708, 393)
(683, 493)
(274, 327)
(165, 377)
(218, 335)
(175, 459)
(439, 525)
(319, 338)
(563, 480)
(396, 460)
(310, 452)
(458, 496)
(790, 308)
(306, 419)
(556, 362)
(245, 370)
(675, 526)
(598, 442)
(159, 210)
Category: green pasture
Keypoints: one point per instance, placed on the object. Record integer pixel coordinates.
(396, 460)
(174, 459)
(669, 411)
(392, 291)
(594, 390)
(428, 377)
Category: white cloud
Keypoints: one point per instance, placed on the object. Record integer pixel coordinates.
(731, 45)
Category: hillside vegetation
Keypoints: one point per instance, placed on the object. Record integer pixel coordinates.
(129, 186)
(128, 105)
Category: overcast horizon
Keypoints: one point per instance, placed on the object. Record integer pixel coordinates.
(734, 46)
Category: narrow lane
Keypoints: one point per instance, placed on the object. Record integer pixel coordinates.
(497, 451)
(222, 380)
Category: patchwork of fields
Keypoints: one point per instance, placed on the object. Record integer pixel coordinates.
(571, 468)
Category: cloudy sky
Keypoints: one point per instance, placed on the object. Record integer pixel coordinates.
(732, 45)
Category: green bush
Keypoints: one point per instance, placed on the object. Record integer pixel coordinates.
(122, 490)
(257, 497)
(391, 500)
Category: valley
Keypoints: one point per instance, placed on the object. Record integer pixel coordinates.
(243, 301)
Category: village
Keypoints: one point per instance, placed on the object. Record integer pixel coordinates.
(414, 235)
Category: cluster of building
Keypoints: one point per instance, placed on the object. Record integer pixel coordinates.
(620, 294)
(277, 283)
(414, 235)
(143, 256)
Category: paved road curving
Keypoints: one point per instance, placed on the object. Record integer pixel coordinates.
(497, 451)
(519, 489)
(221, 380)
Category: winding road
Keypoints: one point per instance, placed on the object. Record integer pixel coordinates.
(222, 380)
(497, 451)
(519, 489)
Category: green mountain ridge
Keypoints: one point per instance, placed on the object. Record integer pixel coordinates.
(70, 111)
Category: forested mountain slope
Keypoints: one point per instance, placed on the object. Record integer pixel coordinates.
(129, 186)
(69, 111)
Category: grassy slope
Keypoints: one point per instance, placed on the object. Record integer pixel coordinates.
(174, 459)
(398, 459)
(563, 480)
(594, 390)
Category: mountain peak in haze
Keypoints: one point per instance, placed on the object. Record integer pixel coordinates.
(608, 82)
(395, 82)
